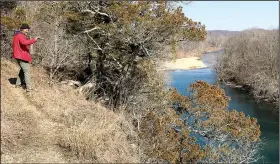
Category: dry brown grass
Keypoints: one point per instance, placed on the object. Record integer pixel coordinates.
(57, 125)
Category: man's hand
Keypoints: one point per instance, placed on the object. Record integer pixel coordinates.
(38, 37)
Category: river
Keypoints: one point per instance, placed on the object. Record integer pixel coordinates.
(240, 101)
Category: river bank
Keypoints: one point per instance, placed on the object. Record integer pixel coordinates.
(249, 90)
(191, 61)
(183, 64)
(208, 59)
(240, 101)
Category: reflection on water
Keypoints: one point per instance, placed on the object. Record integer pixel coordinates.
(240, 101)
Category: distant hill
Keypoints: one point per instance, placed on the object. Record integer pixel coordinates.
(222, 32)
(231, 33)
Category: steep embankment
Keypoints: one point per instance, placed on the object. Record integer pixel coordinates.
(57, 125)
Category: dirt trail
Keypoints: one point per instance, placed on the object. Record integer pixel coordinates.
(58, 125)
(28, 131)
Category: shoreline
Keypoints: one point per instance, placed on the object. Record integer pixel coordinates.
(249, 91)
(186, 63)
(189, 61)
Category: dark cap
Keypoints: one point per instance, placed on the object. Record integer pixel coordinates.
(24, 26)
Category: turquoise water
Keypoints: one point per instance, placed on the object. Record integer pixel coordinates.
(240, 101)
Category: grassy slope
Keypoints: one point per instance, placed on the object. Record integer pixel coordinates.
(57, 125)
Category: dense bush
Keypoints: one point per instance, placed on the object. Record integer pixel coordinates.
(124, 40)
(224, 136)
(11, 19)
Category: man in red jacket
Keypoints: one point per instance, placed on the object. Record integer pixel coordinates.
(21, 53)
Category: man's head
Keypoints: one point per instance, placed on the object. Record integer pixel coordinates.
(24, 28)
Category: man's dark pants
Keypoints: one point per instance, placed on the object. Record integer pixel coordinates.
(24, 74)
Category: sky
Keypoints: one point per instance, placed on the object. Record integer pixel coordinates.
(234, 15)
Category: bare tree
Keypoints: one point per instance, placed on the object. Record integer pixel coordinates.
(251, 59)
(57, 51)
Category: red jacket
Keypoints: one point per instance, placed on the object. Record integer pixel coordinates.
(21, 47)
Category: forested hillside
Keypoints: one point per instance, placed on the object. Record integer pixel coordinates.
(125, 113)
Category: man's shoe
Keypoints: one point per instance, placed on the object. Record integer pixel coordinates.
(30, 90)
(17, 86)
(29, 93)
